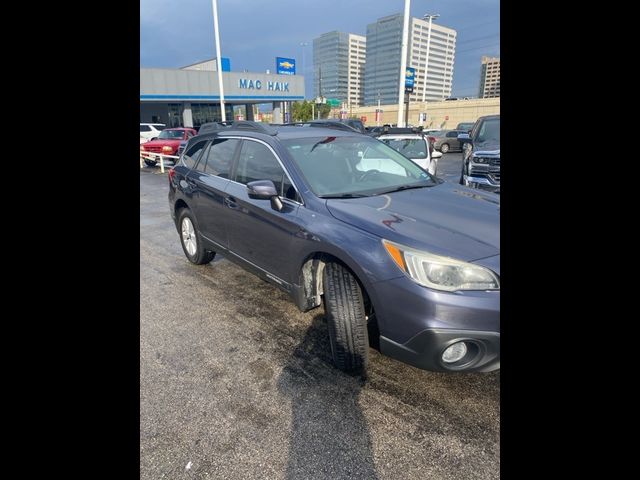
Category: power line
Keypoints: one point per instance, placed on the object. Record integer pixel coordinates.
(478, 48)
(478, 38)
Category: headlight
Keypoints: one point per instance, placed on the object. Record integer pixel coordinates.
(167, 149)
(441, 273)
(142, 147)
(479, 160)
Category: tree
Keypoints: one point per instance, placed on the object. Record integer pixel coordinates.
(303, 111)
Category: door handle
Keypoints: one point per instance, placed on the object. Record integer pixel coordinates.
(230, 202)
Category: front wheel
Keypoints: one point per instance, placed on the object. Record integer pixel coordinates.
(150, 163)
(191, 241)
(444, 148)
(346, 318)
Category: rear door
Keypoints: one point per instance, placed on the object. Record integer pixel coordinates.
(210, 179)
(258, 233)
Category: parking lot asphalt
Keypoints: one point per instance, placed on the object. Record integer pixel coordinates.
(235, 382)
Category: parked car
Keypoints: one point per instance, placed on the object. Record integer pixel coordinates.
(151, 130)
(167, 143)
(481, 155)
(465, 126)
(446, 140)
(399, 258)
(414, 146)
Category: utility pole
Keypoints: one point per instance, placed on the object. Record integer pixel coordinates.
(378, 113)
(403, 60)
(218, 60)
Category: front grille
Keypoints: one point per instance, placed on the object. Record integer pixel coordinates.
(491, 172)
(153, 149)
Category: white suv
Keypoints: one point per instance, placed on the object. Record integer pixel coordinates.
(150, 130)
(414, 146)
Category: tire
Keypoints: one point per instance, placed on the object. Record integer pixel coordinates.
(444, 148)
(191, 240)
(150, 163)
(346, 318)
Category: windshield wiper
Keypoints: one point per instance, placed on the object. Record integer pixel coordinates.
(345, 195)
(408, 187)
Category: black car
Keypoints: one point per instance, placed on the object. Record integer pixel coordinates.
(481, 155)
(399, 258)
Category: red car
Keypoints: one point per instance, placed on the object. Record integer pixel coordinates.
(167, 143)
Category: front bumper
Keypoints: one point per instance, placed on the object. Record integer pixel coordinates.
(417, 324)
(482, 183)
(425, 350)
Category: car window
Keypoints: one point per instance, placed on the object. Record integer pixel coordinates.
(346, 165)
(218, 157)
(190, 156)
(257, 162)
(409, 147)
(489, 131)
(145, 128)
(452, 134)
(171, 135)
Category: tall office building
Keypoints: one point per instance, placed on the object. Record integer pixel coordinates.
(384, 45)
(490, 78)
(338, 66)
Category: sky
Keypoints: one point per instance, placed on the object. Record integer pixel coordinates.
(175, 33)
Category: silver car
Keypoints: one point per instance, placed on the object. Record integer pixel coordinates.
(415, 147)
(447, 140)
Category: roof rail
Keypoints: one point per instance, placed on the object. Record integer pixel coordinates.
(254, 126)
(322, 124)
(211, 127)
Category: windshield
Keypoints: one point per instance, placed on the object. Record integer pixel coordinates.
(173, 134)
(409, 147)
(354, 166)
(489, 131)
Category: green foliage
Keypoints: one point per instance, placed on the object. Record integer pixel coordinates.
(302, 111)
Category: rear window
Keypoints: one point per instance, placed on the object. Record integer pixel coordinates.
(409, 147)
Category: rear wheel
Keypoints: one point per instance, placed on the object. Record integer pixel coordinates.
(444, 148)
(346, 318)
(191, 241)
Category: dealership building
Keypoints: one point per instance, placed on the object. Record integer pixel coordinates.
(189, 96)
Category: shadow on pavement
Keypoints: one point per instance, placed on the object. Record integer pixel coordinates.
(329, 434)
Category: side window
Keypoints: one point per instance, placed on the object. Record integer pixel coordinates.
(145, 128)
(190, 156)
(256, 162)
(452, 134)
(219, 156)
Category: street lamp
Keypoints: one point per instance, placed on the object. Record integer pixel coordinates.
(403, 62)
(219, 59)
(426, 66)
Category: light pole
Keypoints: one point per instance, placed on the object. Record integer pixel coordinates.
(378, 112)
(218, 60)
(426, 65)
(403, 61)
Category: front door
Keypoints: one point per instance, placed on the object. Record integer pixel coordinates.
(258, 233)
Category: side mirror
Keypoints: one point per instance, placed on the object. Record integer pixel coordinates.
(436, 154)
(464, 138)
(265, 190)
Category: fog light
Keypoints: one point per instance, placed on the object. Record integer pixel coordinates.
(454, 352)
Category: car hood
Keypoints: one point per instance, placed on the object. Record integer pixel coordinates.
(162, 143)
(446, 219)
(487, 148)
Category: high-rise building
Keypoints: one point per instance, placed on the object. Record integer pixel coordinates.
(382, 68)
(490, 77)
(338, 65)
